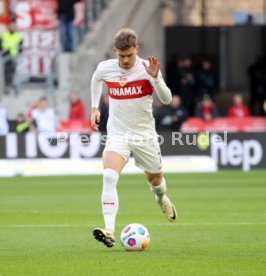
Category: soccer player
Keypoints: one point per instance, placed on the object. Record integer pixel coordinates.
(131, 127)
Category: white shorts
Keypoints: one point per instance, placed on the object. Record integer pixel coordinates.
(147, 153)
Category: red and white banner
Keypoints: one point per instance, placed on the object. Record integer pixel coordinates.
(36, 14)
(38, 24)
(4, 12)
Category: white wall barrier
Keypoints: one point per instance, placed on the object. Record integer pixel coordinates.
(93, 166)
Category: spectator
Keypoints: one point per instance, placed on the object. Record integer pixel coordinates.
(206, 80)
(4, 127)
(22, 125)
(172, 74)
(187, 84)
(33, 107)
(257, 80)
(180, 73)
(44, 117)
(11, 45)
(238, 109)
(77, 109)
(249, 20)
(104, 109)
(206, 109)
(171, 117)
(66, 15)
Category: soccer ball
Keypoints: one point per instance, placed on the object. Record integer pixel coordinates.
(135, 237)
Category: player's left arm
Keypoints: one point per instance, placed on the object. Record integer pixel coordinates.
(153, 69)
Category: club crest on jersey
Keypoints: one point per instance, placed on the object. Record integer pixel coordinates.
(122, 81)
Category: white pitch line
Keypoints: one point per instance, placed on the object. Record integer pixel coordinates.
(147, 224)
(40, 212)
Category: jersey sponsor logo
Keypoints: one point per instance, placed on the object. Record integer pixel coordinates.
(129, 90)
(126, 91)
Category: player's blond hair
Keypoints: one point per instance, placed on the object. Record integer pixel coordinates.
(124, 39)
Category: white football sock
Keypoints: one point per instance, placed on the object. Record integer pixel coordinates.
(110, 198)
(159, 190)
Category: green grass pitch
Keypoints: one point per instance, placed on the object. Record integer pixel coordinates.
(46, 225)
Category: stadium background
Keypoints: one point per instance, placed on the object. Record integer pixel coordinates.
(216, 31)
(45, 222)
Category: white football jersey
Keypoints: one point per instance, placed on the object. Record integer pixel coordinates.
(130, 98)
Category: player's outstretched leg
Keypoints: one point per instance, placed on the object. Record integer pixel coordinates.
(167, 207)
(109, 208)
(164, 202)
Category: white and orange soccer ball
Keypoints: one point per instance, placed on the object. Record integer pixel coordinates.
(135, 237)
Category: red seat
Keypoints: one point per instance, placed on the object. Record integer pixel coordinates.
(80, 126)
(250, 124)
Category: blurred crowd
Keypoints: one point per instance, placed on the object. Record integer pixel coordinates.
(191, 82)
(41, 117)
(194, 93)
(194, 90)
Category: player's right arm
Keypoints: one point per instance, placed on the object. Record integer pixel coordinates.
(153, 69)
(96, 92)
